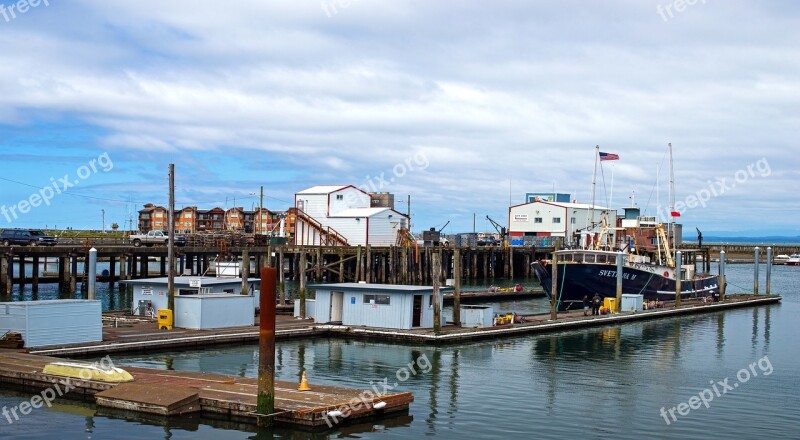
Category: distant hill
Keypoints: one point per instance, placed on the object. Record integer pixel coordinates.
(771, 239)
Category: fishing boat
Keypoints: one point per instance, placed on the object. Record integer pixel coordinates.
(794, 260)
(648, 266)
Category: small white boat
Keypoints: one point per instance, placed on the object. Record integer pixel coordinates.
(781, 259)
(794, 260)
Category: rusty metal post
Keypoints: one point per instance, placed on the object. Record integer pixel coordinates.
(265, 403)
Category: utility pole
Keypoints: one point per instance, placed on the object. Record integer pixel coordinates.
(261, 212)
(171, 241)
(104, 220)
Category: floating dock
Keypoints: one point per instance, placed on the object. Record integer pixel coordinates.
(141, 336)
(170, 393)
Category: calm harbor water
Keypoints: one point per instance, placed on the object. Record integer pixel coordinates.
(608, 382)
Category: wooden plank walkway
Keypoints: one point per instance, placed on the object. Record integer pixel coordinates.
(230, 396)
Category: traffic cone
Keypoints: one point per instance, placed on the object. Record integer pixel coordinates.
(304, 383)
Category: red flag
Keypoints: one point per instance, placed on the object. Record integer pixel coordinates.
(676, 214)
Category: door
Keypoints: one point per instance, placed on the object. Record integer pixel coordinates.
(337, 304)
(416, 312)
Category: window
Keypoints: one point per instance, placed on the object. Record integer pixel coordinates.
(145, 216)
(234, 214)
(601, 259)
(567, 257)
(588, 258)
(537, 219)
(339, 196)
(556, 219)
(377, 299)
(572, 220)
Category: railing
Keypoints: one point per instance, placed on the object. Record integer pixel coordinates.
(328, 235)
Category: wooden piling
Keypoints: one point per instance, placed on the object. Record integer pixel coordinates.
(245, 271)
(281, 275)
(35, 274)
(302, 289)
(457, 286)
(5, 280)
(73, 274)
(368, 262)
(437, 306)
(112, 271)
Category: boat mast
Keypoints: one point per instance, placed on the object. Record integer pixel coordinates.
(594, 183)
(672, 202)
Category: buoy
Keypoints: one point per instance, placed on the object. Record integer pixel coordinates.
(304, 383)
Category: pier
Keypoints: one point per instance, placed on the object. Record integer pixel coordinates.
(167, 393)
(393, 264)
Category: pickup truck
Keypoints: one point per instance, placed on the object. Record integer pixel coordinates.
(155, 237)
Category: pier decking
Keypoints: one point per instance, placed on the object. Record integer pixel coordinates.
(165, 392)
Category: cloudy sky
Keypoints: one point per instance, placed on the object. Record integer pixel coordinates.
(466, 106)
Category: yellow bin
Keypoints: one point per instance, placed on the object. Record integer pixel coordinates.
(164, 319)
(610, 303)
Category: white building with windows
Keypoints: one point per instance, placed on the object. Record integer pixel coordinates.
(326, 213)
(574, 221)
(377, 305)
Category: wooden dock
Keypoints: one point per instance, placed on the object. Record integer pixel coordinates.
(169, 393)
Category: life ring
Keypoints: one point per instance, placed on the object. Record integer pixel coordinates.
(518, 288)
(666, 273)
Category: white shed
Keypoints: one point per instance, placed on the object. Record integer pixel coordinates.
(377, 305)
(151, 293)
(53, 322)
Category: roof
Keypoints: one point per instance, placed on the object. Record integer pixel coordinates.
(397, 288)
(360, 212)
(183, 281)
(323, 189)
(564, 205)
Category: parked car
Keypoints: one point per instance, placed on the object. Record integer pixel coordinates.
(24, 237)
(156, 237)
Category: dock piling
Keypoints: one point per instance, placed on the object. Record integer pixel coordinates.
(722, 283)
(678, 277)
(457, 286)
(245, 270)
(756, 264)
(92, 276)
(769, 271)
(618, 302)
(437, 305)
(35, 274)
(265, 403)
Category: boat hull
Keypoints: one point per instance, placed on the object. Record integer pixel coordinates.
(577, 280)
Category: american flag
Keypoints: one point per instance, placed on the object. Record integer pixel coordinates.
(608, 156)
